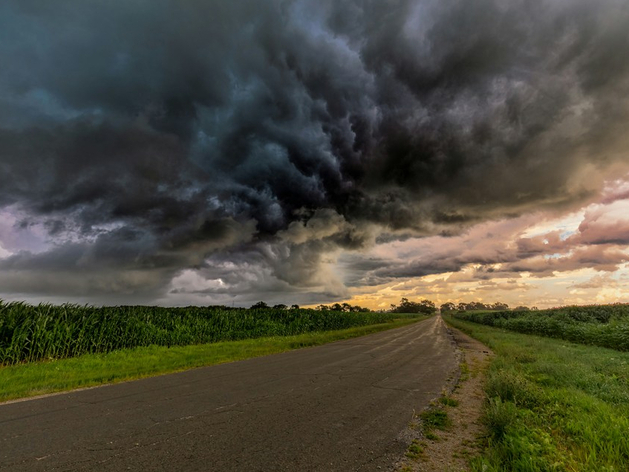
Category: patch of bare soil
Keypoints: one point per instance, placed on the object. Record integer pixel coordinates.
(449, 450)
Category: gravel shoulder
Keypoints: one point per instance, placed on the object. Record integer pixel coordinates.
(451, 449)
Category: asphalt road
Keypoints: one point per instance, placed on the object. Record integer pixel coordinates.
(339, 407)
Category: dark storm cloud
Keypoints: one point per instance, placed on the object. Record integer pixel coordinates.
(153, 135)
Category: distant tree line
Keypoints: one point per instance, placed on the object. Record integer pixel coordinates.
(280, 306)
(405, 306)
(342, 307)
(479, 306)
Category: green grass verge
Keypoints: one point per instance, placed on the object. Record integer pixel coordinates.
(38, 378)
(552, 405)
(595, 325)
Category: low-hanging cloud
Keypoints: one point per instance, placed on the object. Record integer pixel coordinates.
(150, 138)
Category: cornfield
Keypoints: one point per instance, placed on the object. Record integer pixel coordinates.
(30, 333)
(596, 325)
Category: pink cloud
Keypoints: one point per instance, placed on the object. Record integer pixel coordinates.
(596, 282)
(601, 258)
(499, 248)
(617, 190)
(598, 227)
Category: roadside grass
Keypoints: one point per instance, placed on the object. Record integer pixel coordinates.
(447, 401)
(415, 450)
(38, 378)
(552, 405)
(594, 325)
(435, 417)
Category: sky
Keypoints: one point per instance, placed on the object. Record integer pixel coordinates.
(301, 151)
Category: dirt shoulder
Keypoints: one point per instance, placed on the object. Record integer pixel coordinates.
(451, 448)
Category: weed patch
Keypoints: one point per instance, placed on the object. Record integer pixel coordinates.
(447, 401)
(499, 416)
(435, 418)
(415, 450)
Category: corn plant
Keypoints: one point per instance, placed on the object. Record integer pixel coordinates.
(30, 333)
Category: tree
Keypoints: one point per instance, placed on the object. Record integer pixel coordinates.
(258, 306)
(294, 307)
(342, 307)
(499, 306)
(449, 306)
(477, 306)
(428, 307)
(406, 306)
(280, 306)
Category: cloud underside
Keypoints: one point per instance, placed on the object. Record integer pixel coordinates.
(266, 148)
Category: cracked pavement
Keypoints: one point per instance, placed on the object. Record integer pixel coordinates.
(343, 406)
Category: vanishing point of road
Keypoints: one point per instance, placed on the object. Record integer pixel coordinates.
(343, 406)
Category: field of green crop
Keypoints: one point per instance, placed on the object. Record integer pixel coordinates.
(28, 379)
(596, 325)
(29, 333)
(552, 405)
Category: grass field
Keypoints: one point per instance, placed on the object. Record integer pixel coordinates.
(43, 332)
(596, 325)
(37, 378)
(552, 405)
